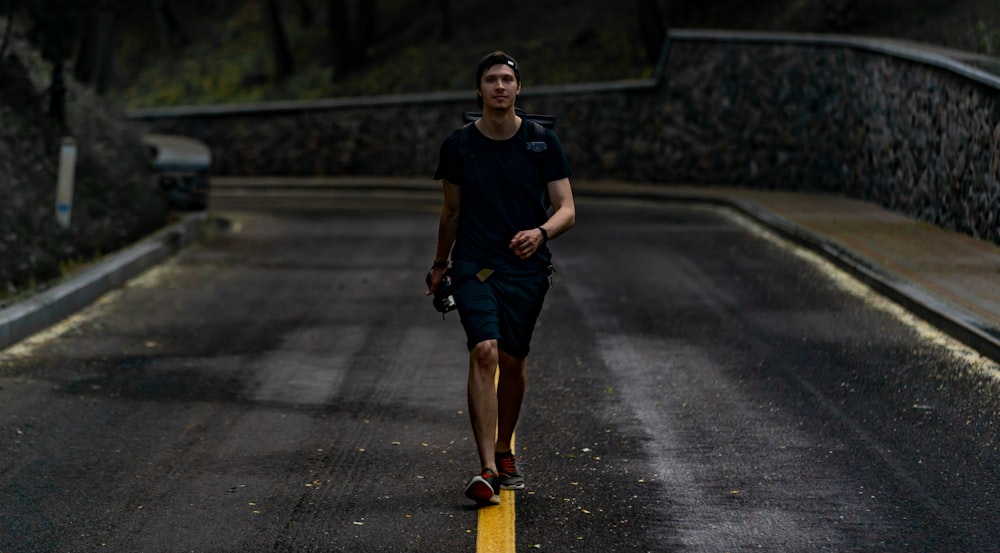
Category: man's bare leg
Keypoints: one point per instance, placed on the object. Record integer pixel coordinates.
(483, 360)
(510, 395)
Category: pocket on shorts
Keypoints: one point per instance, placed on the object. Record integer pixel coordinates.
(461, 271)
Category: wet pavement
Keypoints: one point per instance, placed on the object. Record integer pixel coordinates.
(946, 277)
(950, 279)
(284, 385)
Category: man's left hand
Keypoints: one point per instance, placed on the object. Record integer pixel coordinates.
(526, 242)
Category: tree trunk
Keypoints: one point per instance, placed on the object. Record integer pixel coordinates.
(447, 25)
(95, 51)
(104, 64)
(284, 62)
(305, 13)
(57, 95)
(6, 36)
(652, 30)
(352, 28)
(340, 37)
(172, 35)
(84, 65)
(366, 29)
(9, 11)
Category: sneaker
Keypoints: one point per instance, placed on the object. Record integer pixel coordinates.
(484, 488)
(510, 479)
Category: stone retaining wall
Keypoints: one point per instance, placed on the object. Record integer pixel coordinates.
(914, 138)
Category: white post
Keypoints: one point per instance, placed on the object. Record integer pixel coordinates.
(64, 186)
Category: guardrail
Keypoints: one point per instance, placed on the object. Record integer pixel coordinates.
(958, 62)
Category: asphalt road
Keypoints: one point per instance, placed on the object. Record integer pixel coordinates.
(695, 385)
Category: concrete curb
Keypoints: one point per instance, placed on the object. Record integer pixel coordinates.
(962, 325)
(25, 318)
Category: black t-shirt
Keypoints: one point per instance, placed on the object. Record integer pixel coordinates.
(503, 190)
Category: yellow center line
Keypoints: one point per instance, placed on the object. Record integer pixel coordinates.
(495, 533)
(496, 526)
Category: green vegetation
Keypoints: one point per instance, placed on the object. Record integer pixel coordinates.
(229, 57)
(989, 37)
(234, 63)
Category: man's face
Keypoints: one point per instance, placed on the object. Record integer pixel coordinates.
(499, 87)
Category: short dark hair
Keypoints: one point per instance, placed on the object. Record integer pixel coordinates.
(497, 57)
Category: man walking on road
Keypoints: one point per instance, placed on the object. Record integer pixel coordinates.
(499, 175)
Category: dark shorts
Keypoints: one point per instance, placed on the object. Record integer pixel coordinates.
(502, 308)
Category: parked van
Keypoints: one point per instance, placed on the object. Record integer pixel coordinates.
(182, 166)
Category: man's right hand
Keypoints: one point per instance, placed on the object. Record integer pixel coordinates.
(434, 278)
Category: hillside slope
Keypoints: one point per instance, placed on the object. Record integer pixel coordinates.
(115, 201)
